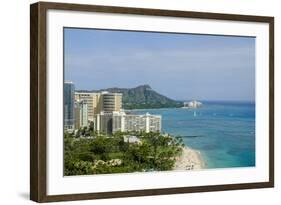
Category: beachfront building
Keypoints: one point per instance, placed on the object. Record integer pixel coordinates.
(154, 123)
(68, 105)
(130, 122)
(81, 114)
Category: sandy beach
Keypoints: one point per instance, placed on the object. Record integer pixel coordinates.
(189, 160)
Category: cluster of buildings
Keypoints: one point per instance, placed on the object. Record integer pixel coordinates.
(104, 111)
(192, 104)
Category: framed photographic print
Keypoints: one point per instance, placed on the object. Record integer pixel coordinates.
(134, 102)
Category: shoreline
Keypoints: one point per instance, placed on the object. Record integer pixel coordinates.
(190, 159)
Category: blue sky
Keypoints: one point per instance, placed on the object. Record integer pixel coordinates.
(180, 66)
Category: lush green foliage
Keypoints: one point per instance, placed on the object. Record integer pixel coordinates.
(102, 154)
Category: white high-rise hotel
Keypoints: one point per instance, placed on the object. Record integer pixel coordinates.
(147, 123)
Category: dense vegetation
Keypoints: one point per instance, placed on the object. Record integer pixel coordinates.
(102, 154)
(144, 97)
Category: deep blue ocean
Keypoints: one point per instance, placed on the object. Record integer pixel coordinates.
(224, 132)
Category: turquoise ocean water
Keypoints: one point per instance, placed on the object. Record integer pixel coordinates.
(224, 132)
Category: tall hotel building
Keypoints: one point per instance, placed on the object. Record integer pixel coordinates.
(68, 108)
(128, 122)
(111, 101)
(81, 114)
